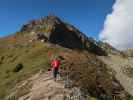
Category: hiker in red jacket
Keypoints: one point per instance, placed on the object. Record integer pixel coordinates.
(55, 68)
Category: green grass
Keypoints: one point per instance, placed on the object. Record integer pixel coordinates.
(33, 57)
(12, 98)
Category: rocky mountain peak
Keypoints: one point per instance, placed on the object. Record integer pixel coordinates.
(48, 20)
(58, 32)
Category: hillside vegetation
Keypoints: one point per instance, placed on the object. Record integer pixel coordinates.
(33, 57)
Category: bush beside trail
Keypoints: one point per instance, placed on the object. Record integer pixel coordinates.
(93, 77)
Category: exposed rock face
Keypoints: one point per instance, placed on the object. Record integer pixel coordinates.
(64, 34)
(108, 48)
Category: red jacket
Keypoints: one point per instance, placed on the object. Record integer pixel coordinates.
(55, 64)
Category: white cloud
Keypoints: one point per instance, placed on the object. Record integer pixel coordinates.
(118, 26)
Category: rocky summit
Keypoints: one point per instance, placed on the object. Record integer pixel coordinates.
(56, 31)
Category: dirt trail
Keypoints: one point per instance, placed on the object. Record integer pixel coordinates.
(45, 88)
(118, 64)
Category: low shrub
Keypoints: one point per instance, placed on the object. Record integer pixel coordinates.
(12, 98)
(18, 67)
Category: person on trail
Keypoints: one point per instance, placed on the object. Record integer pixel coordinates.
(55, 68)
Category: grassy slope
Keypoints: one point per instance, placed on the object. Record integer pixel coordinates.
(33, 56)
(85, 69)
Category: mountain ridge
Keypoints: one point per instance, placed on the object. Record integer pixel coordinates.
(56, 31)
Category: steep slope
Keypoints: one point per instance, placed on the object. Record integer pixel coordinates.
(121, 65)
(13, 53)
(92, 77)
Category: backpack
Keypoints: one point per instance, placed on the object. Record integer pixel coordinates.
(55, 63)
